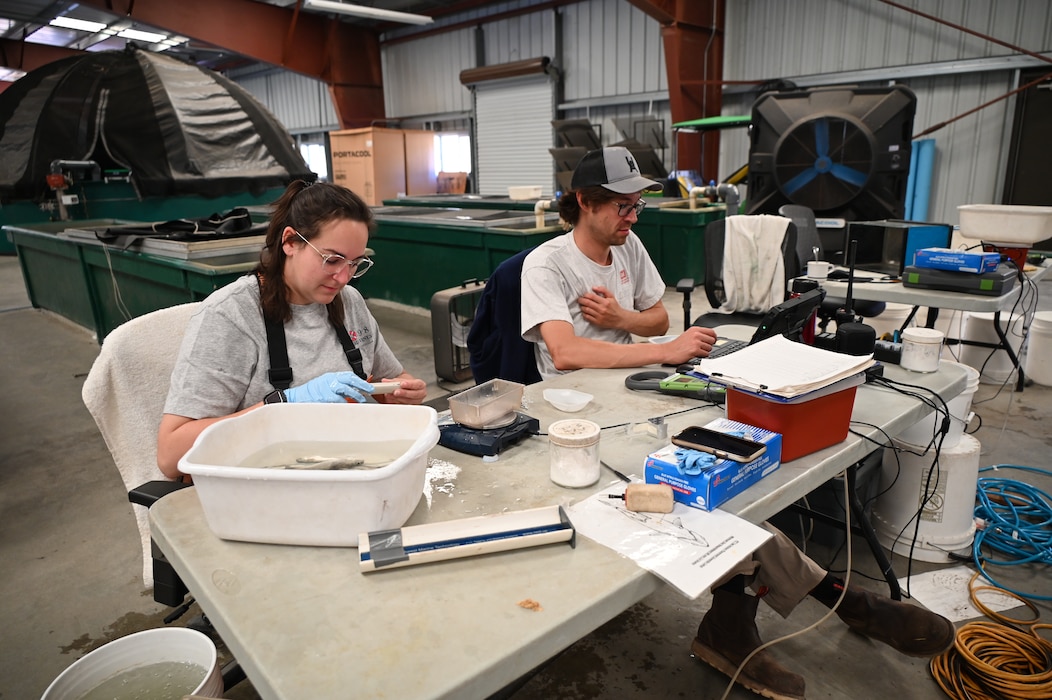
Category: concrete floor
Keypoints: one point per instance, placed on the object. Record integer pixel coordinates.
(70, 554)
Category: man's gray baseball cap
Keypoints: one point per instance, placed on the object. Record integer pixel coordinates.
(615, 169)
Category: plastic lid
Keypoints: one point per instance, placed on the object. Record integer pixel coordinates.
(573, 432)
(922, 335)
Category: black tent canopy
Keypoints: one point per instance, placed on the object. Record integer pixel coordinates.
(178, 128)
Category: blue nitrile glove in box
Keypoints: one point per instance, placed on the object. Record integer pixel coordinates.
(330, 388)
(693, 462)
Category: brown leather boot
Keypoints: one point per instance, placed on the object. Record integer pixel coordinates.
(727, 634)
(907, 628)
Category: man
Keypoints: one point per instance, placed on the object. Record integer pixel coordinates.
(584, 295)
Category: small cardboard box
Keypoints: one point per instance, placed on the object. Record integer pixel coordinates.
(956, 260)
(725, 479)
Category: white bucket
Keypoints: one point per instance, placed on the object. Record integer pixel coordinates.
(141, 649)
(1038, 365)
(946, 523)
(920, 434)
(994, 365)
(891, 319)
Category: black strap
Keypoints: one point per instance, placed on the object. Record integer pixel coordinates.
(354, 355)
(280, 372)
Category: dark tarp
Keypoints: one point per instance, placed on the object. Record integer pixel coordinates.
(178, 128)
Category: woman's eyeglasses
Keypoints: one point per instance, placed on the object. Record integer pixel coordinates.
(334, 263)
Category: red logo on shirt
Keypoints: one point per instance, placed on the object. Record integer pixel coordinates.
(624, 276)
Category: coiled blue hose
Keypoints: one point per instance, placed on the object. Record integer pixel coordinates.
(1018, 524)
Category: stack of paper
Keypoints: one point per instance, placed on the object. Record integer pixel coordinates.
(782, 367)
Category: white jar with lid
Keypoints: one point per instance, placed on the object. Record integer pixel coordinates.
(573, 451)
(921, 348)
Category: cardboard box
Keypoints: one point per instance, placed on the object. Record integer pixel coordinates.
(370, 162)
(806, 426)
(419, 162)
(452, 183)
(725, 479)
(956, 260)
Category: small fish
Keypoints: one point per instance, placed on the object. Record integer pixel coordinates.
(335, 463)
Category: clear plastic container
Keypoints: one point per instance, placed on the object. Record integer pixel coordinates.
(574, 452)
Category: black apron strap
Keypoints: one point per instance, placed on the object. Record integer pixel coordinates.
(354, 355)
(280, 372)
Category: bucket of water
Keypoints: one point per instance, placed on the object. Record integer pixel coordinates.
(164, 663)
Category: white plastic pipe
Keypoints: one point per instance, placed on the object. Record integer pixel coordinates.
(695, 192)
(538, 212)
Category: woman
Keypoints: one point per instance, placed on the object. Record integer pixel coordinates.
(315, 245)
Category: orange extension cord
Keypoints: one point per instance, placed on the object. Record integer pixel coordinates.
(996, 660)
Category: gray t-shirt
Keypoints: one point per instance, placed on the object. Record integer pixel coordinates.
(223, 362)
(556, 274)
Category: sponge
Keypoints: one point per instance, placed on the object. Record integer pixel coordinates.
(647, 498)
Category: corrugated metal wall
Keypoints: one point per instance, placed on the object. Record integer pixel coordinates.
(302, 104)
(804, 39)
(612, 61)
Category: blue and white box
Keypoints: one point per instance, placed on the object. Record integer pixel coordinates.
(957, 260)
(725, 478)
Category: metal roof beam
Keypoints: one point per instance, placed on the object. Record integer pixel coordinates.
(345, 57)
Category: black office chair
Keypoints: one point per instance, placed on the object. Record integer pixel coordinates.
(809, 247)
(714, 284)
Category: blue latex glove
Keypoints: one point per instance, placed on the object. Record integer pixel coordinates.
(693, 462)
(333, 387)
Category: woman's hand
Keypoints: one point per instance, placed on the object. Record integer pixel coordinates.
(411, 391)
(334, 387)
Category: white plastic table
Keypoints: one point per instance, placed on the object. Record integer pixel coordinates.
(304, 622)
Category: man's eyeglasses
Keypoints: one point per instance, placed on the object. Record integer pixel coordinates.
(624, 208)
(334, 263)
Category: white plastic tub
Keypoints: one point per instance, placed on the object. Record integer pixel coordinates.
(137, 650)
(1006, 223)
(523, 192)
(306, 506)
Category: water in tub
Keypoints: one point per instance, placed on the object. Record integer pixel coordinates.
(165, 680)
(316, 454)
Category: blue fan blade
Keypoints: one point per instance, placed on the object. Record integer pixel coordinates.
(848, 175)
(821, 138)
(799, 181)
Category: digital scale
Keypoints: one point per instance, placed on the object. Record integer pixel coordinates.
(489, 440)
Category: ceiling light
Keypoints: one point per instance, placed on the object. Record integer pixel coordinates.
(371, 12)
(81, 24)
(151, 37)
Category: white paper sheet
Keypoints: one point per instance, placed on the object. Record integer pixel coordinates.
(782, 367)
(945, 592)
(689, 549)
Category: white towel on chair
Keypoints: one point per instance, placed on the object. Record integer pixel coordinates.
(753, 268)
(125, 393)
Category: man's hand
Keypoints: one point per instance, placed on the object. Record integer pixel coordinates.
(693, 342)
(600, 308)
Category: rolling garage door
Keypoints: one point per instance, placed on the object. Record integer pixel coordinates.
(513, 132)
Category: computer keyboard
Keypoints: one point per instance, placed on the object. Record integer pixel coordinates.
(724, 346)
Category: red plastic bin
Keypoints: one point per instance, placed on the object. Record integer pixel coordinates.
(806, 426)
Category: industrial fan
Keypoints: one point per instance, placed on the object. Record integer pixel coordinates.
(844, 152)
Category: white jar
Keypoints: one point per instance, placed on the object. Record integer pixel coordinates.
(573, 451)
(921, 348)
